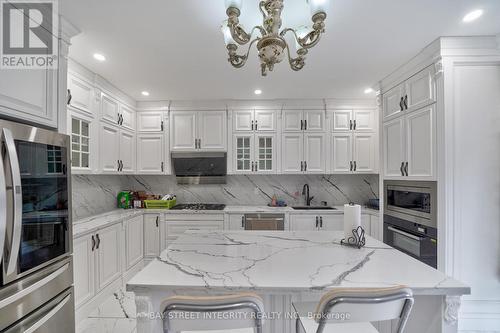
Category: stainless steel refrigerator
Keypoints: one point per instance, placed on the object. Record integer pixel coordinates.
(36, 279)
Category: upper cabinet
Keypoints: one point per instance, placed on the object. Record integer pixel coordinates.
(153, 154)
(198, 131)
(115, 112)
(127, 117)
(303, 120)
(81, 94)
(254, 153)
(30, 95)
(254, 120)
(353, 120)
(117, 149)
(414, 93)
(303, 153)
(150, 121)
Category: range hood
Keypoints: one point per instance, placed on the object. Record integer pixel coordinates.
(200, 168)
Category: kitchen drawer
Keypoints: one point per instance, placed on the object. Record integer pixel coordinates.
(177, 228)
(194, 217)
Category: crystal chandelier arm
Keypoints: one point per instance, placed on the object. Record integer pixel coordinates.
(239, 34)
(237, 60)
(306, 42)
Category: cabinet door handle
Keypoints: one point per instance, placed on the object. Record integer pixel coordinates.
(350, 165)
(157, 218)
(256, 126)
(354, 127)
(301, 125)
(161, 125)
(199, 143)
(93, 243)
(243, 222)
(321, 221)
(301, 165)
(252, 125)
(162, 168)
(406, 169)
(317, 222)
(355, 166)
(305, 125)
(69, 97)
(401, 104)
(98, 241)
(118, 163)
(401, 168)
(350, 125)
(405, 102)
(305, 165)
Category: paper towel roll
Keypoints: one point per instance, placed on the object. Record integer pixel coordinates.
(352, 219)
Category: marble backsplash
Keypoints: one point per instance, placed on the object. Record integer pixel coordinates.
(95, 194)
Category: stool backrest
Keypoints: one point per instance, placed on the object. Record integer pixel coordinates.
(191, 313)
(365, 305)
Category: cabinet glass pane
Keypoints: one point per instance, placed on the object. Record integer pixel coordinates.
(265, 154)
(80, 147)
(75, 126)
(243, 154)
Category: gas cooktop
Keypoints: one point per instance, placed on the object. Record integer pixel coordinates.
(199, 206)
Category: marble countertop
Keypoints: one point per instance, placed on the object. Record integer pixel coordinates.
(90, 224)
(286, 262)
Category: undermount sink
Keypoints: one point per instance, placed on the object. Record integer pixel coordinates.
(313, 208)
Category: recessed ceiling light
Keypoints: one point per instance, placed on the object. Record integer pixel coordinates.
(99, 57)
(368, 90)
(145, 93)
(472, 16)
(257, 92)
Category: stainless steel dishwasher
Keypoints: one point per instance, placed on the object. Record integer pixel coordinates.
(264, 221)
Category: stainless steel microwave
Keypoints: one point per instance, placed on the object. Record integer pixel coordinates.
(413, 201)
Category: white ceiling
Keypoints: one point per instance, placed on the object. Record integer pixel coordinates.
(175, 50)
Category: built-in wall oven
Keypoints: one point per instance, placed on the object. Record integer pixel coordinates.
(410, 219)
(35, 225)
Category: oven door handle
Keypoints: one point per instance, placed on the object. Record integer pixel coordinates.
(3, 208)
(18, 200)
(404, 233)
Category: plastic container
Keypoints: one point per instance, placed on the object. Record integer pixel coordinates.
(159, 204)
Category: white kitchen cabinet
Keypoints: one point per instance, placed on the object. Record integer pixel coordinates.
(254, 153)
(109, 148)
(150, 121)
(198, 131)
(108, 254)
(292, 153)
(316, 222)
(152, 235)
(409, 145)
(127, 151)
(393, 101)
(394, 147)
(81, 94)
(236, 222)
(109, 109)
(421, 143)
(150, 153)
(314, 153)
(254, 120)
(134, 236)
(83, 132)
(303, 120)
(84, 261)
(30, 95)
(353, 153)
(420, 90)
(353, 120)
(117, 149)
(212, 130)
(127, 117)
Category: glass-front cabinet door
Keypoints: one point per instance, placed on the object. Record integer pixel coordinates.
(243, 152)
(80, 144)
(265, 154)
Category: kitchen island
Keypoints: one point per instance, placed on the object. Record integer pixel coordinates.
(284, 267)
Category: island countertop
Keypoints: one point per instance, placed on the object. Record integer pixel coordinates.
(281, 261)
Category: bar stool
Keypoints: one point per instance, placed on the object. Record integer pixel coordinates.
(352, 310)
(239, 313)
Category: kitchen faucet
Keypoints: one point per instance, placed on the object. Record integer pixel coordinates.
(305, 191)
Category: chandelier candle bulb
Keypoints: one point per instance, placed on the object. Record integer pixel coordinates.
(352, 219)
(318, 6)
(234, 4)
(228, 39)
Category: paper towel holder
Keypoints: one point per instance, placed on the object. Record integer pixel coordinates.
(357, 239)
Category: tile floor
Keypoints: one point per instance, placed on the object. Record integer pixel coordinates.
(115, 315)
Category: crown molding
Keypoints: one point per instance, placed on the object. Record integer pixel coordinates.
(369, 103)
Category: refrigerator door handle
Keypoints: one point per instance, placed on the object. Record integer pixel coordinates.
(18, 201)
(3, 208)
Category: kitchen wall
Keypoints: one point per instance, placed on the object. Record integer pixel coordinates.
(95, 194)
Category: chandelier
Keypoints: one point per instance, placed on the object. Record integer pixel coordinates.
(271, 44)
